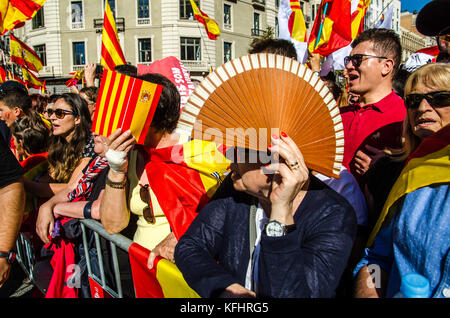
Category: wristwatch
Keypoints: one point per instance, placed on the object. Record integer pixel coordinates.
(276, 229)
(10, 256)
(116, 185)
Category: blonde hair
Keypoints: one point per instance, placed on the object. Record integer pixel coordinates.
(434, 76)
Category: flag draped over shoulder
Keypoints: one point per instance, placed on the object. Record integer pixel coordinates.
(13, 13)
(428, 164)
(292, 27)
(112, 53)
(332, 27)
(211, 26)
(185, 177)
(22, 54)
(125, 102)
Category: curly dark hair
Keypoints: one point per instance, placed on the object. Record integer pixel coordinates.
(64, 156)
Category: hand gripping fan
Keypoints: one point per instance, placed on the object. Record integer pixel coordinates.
(246, 100)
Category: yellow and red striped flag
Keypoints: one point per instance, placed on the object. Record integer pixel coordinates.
(3, 77)
(31, 80)
(112, 53)
(297, 25)
(332, 27)
(211, 26)
(23, 55)
(358, 17)
(13, 13)
(125, 102)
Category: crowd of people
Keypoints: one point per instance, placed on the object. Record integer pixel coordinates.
(286, 232)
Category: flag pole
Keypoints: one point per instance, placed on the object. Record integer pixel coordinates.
(321, 26)
(381, 13)
(204, 43)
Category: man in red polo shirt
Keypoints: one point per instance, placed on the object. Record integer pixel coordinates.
(375, 123)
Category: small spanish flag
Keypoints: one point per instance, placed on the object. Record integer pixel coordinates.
(211, 26)
(127, 103)
(31, 79)
(14, 13)
(22, 54)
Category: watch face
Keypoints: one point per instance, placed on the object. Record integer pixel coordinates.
(274, 228)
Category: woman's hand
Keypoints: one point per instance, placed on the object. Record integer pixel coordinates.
(290, 177)
(45, 222)
(118, 144)
(166, 249)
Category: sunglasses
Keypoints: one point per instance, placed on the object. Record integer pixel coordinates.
(435, 99)
(357, 59)
(59, 113)
(144, 192)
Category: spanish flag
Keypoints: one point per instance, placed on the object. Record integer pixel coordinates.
(125, 102)
(332, 27)
(112, 54)
(23, 55)
(185, 176)
(2, 75)
(296, 23)
(31, 80)
(211, 26)
(13, 13)
(76, 76)
(358, 17)
(428, 164)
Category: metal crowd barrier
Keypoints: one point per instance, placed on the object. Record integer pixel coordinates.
(115, 241)
(25, 256)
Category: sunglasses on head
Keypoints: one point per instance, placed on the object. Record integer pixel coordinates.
(435, 99)
(357, 59)
(144, 192)
(59, 113)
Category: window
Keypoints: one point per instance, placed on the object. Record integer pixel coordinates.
(40, 51)
(112, 5)
(145, 50)
(226, 14)
(78, 53)
(277, 28)
(186, 11)
(227, 51)
(77, 14)
(190, 49)
(143, 14)
(38, 19)
(255, 23)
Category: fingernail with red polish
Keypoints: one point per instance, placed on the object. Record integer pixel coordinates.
(283, 134)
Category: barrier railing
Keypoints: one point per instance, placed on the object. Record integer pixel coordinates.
(115, 241)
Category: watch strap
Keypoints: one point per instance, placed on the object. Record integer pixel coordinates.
(116, 185)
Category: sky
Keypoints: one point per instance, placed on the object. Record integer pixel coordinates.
(411, 5)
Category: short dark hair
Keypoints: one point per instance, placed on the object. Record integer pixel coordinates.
(35, 138)
(275, 46)
(126, 69)
(91, 93)
(385, 42)
(167, 111)
(16, 97)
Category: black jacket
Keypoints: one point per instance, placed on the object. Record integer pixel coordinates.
(308, 262)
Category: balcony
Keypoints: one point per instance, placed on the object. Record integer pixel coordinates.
(199, 66)
(120, 24)
(258, 32)
(259, 4)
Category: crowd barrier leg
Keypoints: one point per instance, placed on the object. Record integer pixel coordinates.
(98, 281)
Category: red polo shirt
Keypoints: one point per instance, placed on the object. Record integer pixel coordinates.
(378, 125)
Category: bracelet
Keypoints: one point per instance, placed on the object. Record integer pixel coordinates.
(116, 185)
(87, 210)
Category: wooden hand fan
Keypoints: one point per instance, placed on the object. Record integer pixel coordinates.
(246, 100)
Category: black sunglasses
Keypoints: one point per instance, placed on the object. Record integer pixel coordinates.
(144, 193)
(357, 59)
(435, 99)
(59, 113)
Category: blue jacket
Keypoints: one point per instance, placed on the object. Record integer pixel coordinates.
(308, 262)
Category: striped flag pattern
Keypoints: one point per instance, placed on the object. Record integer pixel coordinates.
(31, 80)
(22, 54)
(211, 26)
(112, 54)
(14, 13)
(296, 23)
(125, 102)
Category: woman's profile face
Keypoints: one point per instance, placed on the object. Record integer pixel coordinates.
(426, 119)
(63, 126)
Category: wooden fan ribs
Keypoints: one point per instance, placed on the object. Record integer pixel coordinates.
(271, 92)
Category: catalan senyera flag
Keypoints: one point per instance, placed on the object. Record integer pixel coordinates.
(13, 13)
(125, 102)
(358, 17)
(112, 53)
(31, 80)
(22, 54)
(332, 27)
(211, 26)
(428, 164)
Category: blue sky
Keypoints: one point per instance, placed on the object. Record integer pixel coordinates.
(411, 5)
